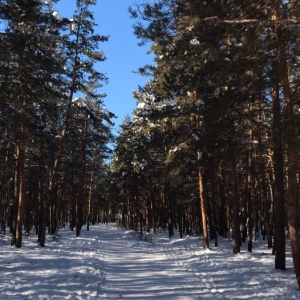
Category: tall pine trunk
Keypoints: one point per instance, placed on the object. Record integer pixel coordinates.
(88, 219)
(203, 209)
(41, 200)
(250, 189)
(234, 192)
(20, 153)
(279, 202)
(79, 220)
(279, 183)
(291, 141)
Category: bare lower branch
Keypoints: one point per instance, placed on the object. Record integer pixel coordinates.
(248, 21)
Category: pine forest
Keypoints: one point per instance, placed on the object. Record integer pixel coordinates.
(211, 149)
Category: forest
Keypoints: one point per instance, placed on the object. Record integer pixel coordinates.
(211, 149)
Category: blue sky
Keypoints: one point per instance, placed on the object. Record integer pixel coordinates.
(123, 54)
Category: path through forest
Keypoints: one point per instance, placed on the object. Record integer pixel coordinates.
(111, 263)
(138, 270)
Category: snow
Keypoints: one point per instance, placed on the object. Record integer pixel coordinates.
(56, 15)
(141, 105)
(194, 42)
(105, 111)
(112, 263)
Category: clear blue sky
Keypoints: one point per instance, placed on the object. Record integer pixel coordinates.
(123, 54)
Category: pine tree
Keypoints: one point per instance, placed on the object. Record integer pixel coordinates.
(30, 66)
(82, 55)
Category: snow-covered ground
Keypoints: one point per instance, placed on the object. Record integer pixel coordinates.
(111, 263)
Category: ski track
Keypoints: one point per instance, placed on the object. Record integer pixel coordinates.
(202, 283)
(192, 259)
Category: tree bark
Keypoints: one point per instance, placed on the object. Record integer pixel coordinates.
(88, 220)
(278, 183)
(291, 141)
(202, 209)
(234, 193)
(41, 200)
(79, 221)
(20, 153)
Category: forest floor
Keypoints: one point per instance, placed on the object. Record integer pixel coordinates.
(112, 263)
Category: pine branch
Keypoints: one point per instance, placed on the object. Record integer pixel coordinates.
(215, 20)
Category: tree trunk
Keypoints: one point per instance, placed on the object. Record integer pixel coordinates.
(279, 183)
(180, 219)
(213, 187)
(202, 210)
(250, 210)
(79, 220)
(266, 199)
(250, 184)
(223, 207)
(41, 201)
(291, 142)
(234, 193)
(279, 201)
(20, 153)
(14, 205)
(88, 220)
(21, 194)
(41, 216)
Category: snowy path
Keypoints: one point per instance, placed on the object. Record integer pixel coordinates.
(137, 270)
(110, 263)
